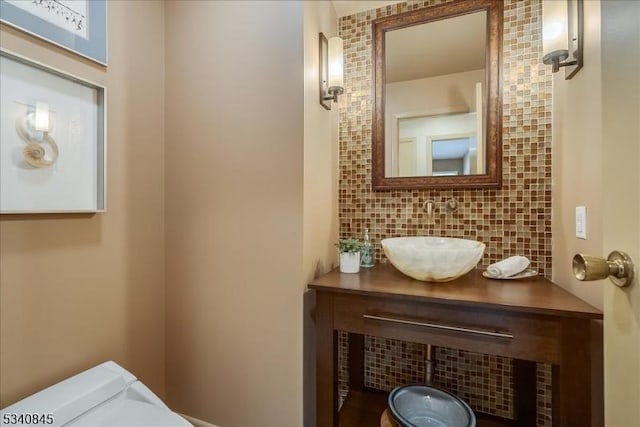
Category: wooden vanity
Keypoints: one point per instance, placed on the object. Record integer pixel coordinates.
(530, 320)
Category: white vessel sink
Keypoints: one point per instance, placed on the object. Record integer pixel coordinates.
(433, 259)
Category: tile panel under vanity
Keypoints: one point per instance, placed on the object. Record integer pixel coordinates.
(515, 219)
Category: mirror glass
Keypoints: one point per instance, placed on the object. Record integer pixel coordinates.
(435, 73)
(443, 145)
(437, 115)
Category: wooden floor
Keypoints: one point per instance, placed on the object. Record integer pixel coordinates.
(364, 409)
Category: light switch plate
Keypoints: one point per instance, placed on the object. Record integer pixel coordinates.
(581, 222)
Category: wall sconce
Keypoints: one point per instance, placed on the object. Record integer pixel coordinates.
(562, 33)
(331, 72)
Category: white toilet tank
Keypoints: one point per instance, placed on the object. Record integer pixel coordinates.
(106, 395)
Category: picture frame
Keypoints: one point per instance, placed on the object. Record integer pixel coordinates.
(52, 139)
(79, 26)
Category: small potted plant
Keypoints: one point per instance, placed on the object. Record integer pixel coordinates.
(349, 255)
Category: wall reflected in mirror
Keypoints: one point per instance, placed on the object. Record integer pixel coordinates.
(438, 146)
(436, 98)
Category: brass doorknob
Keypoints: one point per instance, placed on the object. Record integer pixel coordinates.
(618, 267)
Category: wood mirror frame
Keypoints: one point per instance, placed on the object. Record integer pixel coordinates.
(493, 120)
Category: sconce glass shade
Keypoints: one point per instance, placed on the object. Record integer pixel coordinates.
(555, 36)
(336, 76)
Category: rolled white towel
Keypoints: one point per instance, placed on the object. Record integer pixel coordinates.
(508, 267)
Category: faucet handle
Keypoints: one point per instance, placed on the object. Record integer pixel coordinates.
(451, 205)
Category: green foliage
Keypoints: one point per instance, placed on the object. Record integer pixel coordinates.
(349, 245)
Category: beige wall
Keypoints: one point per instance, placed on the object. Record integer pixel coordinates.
(234, 211)
(320, 150)
(320, 183)
(76, 290)
(577, 164)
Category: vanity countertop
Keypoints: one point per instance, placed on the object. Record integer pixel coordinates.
(536, 295)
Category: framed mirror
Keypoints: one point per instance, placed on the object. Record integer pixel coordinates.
(437, 120)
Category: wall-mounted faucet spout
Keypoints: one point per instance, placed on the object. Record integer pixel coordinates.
(429, 207)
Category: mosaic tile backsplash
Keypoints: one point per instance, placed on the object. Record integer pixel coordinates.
(514, 219)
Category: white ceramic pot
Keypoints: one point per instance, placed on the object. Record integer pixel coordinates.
(349, 262)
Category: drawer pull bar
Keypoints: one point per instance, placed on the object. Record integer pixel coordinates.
(438, 326)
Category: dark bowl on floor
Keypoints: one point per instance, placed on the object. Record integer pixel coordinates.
(428, 406)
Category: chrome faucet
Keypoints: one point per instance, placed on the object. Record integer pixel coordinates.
(429, 206)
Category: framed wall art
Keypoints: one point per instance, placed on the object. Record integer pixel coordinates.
(52, 140)
(77, 25)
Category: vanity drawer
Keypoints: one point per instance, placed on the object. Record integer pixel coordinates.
(478, 329)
